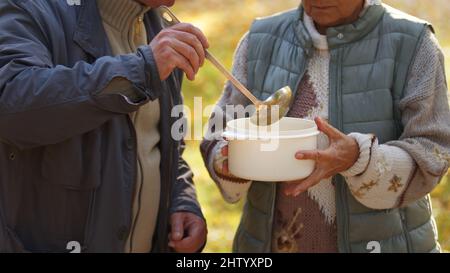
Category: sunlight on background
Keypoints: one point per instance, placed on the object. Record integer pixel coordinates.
(224, 23)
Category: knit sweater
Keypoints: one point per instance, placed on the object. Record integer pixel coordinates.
(124, 26)
(384, 175)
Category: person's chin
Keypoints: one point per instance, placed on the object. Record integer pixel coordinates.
(325, 21)
(169, 3)
(324, 16)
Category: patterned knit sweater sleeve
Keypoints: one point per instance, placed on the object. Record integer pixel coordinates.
(232, 188)
(400, 172)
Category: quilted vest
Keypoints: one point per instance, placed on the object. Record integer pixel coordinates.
(370, 61)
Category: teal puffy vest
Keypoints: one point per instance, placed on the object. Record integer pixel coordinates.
(370, 61)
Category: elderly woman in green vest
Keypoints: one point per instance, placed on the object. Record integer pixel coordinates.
(373, 79)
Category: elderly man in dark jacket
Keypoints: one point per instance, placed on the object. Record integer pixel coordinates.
(86, 155)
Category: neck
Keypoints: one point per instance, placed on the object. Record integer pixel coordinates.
(321, 29)
(143, 2)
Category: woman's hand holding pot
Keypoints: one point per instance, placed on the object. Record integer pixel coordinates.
(340, 156)
(221, 160)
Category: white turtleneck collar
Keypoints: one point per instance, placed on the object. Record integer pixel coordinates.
(320, 41)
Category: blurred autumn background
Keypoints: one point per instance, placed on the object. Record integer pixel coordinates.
(224, 23)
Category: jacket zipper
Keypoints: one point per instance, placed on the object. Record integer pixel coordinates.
(139, 22)
(163, 219)
(88, 227)
(141, 183)
(165, 222)
(136, 218)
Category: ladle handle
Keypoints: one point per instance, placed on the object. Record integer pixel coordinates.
(232, 79)
(173, 20)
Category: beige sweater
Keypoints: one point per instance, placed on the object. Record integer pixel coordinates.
(123, 23)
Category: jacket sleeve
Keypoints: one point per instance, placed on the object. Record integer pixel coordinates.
(184, 193)
(184, 196)
(43, 103)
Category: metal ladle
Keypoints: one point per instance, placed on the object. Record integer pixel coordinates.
(267, 112)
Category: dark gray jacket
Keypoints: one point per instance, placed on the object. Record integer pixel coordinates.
(67, 148)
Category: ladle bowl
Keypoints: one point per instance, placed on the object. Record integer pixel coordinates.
(273, 108)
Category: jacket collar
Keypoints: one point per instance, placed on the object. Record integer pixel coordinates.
(90, 35)
(349, 33)
(340, 35)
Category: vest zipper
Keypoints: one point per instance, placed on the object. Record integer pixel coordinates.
(335, 118)
(340, 124)
(344, 221)
(405, 230)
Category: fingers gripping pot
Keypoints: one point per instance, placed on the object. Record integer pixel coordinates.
(267, 153)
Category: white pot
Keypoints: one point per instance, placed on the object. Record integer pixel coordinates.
(268, 153)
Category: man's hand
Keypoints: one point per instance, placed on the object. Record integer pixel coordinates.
(188, 232)
(181, 46)
(340, 156)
